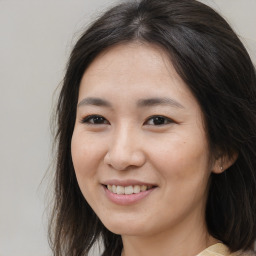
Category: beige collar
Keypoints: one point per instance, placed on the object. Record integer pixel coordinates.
(218, 249)
(221, 249)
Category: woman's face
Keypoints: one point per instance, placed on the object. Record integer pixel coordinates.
(139, 147)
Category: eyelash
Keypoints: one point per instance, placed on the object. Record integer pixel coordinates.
(158, 118)
(88, 119)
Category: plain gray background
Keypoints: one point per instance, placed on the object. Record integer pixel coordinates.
(36, 39)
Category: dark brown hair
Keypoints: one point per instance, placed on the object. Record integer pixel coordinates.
(214, 64)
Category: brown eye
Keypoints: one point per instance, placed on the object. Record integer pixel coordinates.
(95, 119)
(158, 120)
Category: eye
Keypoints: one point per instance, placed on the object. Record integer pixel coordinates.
(158, 120)
(94, 119)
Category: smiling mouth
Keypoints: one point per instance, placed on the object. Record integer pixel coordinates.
(128, 190)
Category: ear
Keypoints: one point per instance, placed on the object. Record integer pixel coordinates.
(223, 162)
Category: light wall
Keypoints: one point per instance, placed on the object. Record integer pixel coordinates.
(36, 38)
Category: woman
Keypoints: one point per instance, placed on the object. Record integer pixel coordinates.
(156, 136)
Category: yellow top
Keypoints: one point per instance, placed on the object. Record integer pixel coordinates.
(220, 249)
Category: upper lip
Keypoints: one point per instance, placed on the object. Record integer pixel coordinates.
(125, 183)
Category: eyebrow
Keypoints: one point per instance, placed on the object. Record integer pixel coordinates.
(94, 101)
(159, 101)
(140, 103)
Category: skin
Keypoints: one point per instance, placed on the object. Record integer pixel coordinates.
(127, 144)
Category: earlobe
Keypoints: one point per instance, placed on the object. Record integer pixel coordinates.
(224, 162)
(218, 167)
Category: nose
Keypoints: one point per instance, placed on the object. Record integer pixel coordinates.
(125, 150)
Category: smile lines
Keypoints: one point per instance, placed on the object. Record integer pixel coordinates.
(128, 190)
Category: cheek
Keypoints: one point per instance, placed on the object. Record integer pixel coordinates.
(183, 169)
(182, 158)
(86, 154)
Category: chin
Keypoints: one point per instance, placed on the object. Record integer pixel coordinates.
(126, 227)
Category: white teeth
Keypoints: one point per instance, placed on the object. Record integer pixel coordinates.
(128, 190)
(120, 190)
(136, 189)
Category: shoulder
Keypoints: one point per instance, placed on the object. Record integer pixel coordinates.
(220, 249)
(243, 253)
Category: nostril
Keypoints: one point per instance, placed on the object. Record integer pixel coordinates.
(124, 159)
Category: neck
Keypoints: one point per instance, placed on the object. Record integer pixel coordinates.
(188, 240)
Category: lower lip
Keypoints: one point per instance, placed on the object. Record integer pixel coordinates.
(127, 199)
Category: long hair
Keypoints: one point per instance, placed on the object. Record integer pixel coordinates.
(217, 69)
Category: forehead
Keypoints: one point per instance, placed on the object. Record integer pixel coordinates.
(134, 69)
(125, 57)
